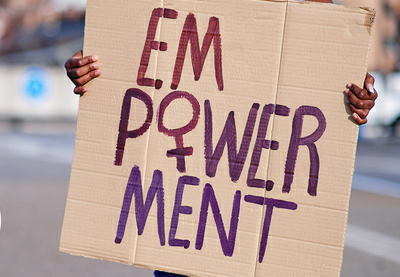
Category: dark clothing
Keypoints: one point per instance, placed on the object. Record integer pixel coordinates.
(166, 274)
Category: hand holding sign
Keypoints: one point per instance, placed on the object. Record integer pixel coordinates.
(81, 70)
(361, 101)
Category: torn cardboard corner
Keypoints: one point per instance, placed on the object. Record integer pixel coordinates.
(216, 141)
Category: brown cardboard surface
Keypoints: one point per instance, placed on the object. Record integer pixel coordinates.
(282, 56)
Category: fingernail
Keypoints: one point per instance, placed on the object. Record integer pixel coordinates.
(348, 85)
(370, 88)
(97, 73)
(95, 58)
(346, 91)
(355, 116)
(95, 66)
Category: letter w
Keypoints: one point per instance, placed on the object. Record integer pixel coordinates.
(134, 186)
(228, 136)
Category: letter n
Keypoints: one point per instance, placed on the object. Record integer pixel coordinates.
(227, 244)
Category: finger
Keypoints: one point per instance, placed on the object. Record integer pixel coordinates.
(357, 100)
(86, 78)
(369, 83)
(88, 59)
(81, 71)
(77, 61)
(358, 120)
(359, 115)
(358, 92)
(362, 113)
(78, 55)
(73, 61)
(80, 90)
(361, 93)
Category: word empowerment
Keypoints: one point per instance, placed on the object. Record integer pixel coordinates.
(212, 155)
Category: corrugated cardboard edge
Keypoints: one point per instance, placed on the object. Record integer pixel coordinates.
(371, 16)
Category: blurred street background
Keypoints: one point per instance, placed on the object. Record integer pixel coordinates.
(38, 114)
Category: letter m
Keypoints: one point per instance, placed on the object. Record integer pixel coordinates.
(189, 33)
(134, 187)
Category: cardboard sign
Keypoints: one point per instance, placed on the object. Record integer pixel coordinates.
(217, 141)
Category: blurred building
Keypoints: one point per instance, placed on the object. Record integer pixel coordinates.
(384, 64)
(49, 31)
(40, 31)
(36, 38)
(385, 44)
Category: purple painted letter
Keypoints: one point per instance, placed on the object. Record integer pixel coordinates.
(271, 203)
(227, 244)
(296, 140)
(261, 143)
(228, 137)
(123, 124)
(134, 186)
(179, 209)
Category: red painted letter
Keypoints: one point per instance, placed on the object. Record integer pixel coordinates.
(180, 151)
(189, 32)
(155, 45)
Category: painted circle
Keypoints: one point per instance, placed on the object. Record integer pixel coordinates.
(163, 106)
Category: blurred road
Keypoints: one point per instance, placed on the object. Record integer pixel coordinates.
(35, 167)
(372, 247)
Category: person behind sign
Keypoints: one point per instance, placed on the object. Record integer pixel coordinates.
(360, 100)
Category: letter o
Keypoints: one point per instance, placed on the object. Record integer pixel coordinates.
(163, 106)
